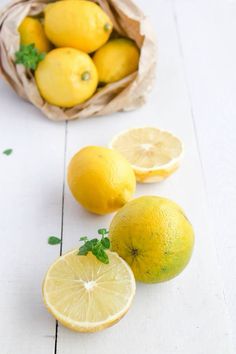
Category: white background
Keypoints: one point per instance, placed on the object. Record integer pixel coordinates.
(195, 97)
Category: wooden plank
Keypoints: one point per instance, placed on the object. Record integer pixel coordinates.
(187, 314)
(30, 189)
(207, 34)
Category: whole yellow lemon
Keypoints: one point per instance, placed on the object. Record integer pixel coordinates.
(31, 31)
(66, 77)
(100, 179)
(153, 235)
(78, 24)
(116, 59)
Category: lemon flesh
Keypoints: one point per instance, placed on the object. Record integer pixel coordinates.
(116, 59)
(100, 179)
(154, 236)
(66, 77)
(86, 295)
(78, 24)
(32, 31)
(153, 153)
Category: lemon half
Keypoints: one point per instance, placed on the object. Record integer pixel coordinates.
(153, 153)
(86, 295)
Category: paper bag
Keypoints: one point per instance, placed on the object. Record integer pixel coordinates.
(123, 95)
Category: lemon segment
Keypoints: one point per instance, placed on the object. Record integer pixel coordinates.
(116, 59)
(32, 32)
(101, 179)
(154, 236)
(66, 77)
(78, 24)
(86, 295)
(153, 153)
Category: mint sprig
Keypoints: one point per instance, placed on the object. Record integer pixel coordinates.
(53, 240)
(29, 56)
(96, 246)
(7, 152)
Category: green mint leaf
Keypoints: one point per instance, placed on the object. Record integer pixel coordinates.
(7, 152)
(83, 251)
(29, 56)
(87, 247)
(94, 241)
(96, 246)
(105, 242)
(41, 56)
(103, 232)
(53, 240)
(84, 238)
(99, 253)
(102, 256)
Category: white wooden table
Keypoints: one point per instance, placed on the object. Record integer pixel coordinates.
(194, 96)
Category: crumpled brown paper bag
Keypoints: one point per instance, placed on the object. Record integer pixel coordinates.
(126, 94)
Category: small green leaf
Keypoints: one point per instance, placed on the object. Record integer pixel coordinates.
(96, 246)
(103, 231)
(84, 238)
(105, 242)
(94, 241)
(102, 256)
(53, 240)
(83, 251)
(87, 247)
(7, 152)
(29, 56)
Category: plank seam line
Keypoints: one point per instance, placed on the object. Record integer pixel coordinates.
(200, 157)
(62, 215)
(189, 96)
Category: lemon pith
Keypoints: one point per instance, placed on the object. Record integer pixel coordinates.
(153, 153)
(60, 77)
(86, 295)
(100, 179)
(154, 236)
(78, 24)
(116, 59)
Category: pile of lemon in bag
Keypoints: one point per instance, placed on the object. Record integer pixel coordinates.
(73, 50)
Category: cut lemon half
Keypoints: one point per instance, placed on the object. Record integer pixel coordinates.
(154, 154)
(86, 295)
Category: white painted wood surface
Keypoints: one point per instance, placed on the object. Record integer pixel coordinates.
(186, 315)
(207, 32)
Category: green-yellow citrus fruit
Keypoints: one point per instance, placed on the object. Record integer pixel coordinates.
(31, 31)
(101, 179)
(66, 77)
(116, 59)
(154, 236)
(78, 24)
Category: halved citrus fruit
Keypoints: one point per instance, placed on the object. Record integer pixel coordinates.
(86, 295)
(154, 154)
